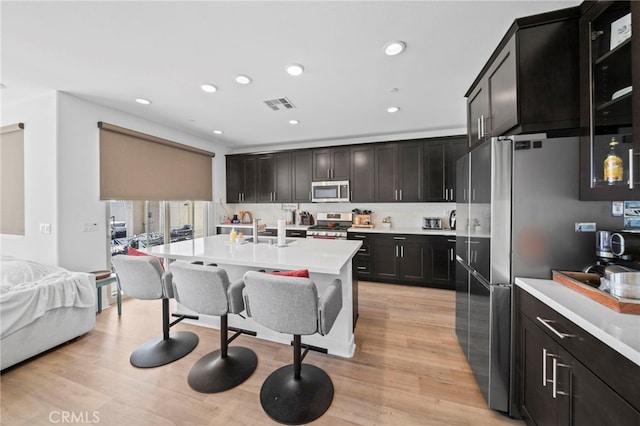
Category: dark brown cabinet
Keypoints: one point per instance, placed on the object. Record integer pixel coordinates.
(386, 172)
(441, 261)
(440, 157)
(362, 260)
(399, 172)
(565, 376)
(331, 164)
(426, 260)
(301, 165)
(362, 173)
(528, 85)
(241, 176)
(610, 109)
(259, 178)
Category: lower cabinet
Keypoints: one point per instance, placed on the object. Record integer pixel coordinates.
(565, 376)
(406, 259)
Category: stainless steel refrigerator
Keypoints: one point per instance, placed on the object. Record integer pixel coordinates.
(516, 214)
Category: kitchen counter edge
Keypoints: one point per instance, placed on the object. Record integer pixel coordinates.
(407, 230)
(619, 331)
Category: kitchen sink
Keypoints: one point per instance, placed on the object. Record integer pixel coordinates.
(269, 240)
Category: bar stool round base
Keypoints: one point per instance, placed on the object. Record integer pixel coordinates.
(290, 401)
(212, 373)
(157, 351)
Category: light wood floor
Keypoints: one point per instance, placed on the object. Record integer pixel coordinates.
(408, 370)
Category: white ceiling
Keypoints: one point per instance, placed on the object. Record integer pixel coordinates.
(113, 52)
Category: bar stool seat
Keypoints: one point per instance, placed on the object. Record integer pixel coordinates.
(207, 290)
(143, 277)
(296, 393)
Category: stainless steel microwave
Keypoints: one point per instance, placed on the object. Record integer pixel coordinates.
(336, 191)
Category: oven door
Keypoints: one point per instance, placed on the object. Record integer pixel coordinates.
(330, 192)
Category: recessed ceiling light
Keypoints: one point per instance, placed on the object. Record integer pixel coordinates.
(393, 109)
(143, 101)
(295, 69)
(217, 132)
(209, 88)
(294, 122)
(394, 48)
(243, 79)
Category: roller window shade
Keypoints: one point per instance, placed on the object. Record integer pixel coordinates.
(12, 179)
(137, 166)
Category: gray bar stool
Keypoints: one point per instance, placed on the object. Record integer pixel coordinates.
(296, 393)
(142, 277)
(207, 290)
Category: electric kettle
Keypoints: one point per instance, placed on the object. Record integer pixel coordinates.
(452, 219)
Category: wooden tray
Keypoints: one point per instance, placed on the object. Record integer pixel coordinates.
(363, 226)
(587, 284)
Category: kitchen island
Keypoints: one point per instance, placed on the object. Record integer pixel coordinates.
(325, 260)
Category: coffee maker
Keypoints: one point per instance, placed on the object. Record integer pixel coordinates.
(617, 248)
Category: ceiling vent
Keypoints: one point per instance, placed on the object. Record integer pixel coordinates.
(279, 104)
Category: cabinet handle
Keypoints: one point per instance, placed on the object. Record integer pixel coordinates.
(631, 175)
(546, 322)
(479, 130)
(545, 355)
(359, 236)
(482, 125)
(361, 268)
(362, 249)
(452, 197)
(464, 194)
(401, 251)
(554, 389)
(451, 254)
(239, 197)
(309, 195)
(399, 238)
(328, 173)
(473, 194)
(401, 195)
(395, 195)
(397, 251)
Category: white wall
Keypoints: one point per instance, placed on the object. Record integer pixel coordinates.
(40, 179)
(62, 177)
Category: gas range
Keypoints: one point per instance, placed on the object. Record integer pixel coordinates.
(331, 226)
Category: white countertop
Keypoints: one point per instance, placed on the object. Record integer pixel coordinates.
(404, 230)
(619, 331)
(316, 255)
(250, 225)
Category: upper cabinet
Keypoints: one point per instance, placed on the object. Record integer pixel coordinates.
(529, 85)
(301, 165)
(610, 109)
(440, 157)
(241, 178)
(362, 173)
(331, 164)
(263, 178)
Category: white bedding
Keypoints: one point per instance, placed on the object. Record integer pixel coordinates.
(28, 290)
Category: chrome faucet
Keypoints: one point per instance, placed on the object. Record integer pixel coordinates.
(255, 231)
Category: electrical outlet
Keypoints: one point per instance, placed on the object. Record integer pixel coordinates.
(89, 226)
(45, 228)
(585, 227)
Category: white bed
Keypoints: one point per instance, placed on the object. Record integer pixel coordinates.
(41, 307)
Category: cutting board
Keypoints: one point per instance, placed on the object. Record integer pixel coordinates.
(587, 285)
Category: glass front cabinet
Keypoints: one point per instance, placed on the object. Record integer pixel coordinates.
(610, 111)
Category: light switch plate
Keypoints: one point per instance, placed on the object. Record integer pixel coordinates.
(45, 228)
(585, 227)
(89, 226)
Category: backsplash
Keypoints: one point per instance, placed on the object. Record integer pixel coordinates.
(402, 214)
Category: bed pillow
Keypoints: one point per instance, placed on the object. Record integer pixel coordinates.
(302, 273)
(135, 252)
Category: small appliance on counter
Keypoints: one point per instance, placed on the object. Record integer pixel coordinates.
(431, 223)
(245, 217)
(452, 219)
(362, 218)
